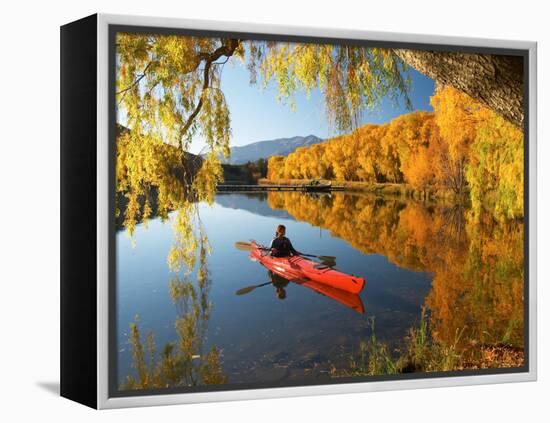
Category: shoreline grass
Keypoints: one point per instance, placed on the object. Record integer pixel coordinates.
(422, 353)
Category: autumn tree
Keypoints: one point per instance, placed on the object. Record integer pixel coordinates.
(418, 168)
(485, 152)
(372, 153)
(320, 168)
(495, 173)
(368, 152)
(456, 117)
(462, 147)
(275, 169)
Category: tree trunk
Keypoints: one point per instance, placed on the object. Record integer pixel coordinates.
(494, 80)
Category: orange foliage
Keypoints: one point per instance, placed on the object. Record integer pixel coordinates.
(462, 147)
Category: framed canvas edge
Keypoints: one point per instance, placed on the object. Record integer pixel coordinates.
(103, 399)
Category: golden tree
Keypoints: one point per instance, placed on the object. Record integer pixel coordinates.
(169, 91)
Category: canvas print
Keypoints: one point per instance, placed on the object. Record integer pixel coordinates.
(304, 211)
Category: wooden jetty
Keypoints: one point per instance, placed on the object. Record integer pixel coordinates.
(266, 187)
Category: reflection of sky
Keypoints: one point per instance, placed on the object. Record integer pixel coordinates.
(250, 326)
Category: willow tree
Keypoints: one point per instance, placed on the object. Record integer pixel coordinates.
(169, 92)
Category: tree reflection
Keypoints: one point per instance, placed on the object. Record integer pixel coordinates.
(154, 179)
(476, 299)
(480, 289)
(185, 361)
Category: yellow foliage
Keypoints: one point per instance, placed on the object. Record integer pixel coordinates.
(462, 147)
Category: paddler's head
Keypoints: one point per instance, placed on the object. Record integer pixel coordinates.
(280, 231)
(281, 293)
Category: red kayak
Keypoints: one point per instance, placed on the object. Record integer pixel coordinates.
(297, 267)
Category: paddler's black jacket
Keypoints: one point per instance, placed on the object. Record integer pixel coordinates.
(282, 247)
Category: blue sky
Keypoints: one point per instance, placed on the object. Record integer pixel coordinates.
(256, 115)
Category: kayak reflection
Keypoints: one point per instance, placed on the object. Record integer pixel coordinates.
(345, 298)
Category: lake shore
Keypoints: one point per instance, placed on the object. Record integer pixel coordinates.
(382, 189)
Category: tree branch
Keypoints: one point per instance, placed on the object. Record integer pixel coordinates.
(137, 81)
(210, 58)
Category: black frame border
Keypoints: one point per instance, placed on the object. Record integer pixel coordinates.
(78, 211)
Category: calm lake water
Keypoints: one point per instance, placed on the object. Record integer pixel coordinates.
(408, 253)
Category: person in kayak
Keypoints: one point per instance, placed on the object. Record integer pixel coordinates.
(281, 245)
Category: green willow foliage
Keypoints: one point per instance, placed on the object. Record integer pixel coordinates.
(352, 79)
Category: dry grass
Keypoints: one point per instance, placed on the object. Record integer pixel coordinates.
(423, 354)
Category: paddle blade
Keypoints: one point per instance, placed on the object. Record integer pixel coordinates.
(243, 246)
(323, 259)
(325, 262)
(247, 246)
(246, 290)
(327, 258)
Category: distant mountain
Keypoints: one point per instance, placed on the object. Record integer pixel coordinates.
(265, 149)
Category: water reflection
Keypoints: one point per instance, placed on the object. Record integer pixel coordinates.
(279, 283)
(184, 361)
(477, 261)
(465, 270)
